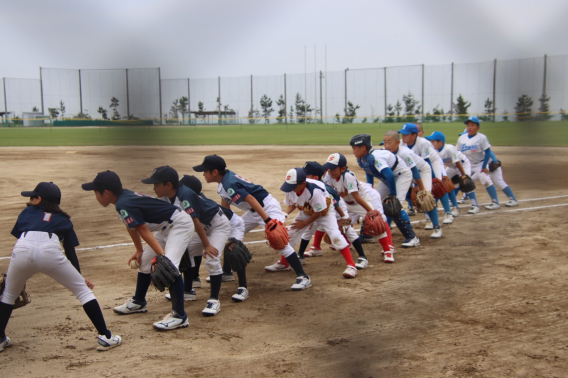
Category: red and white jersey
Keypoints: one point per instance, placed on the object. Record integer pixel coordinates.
(474, 147)
(314, 194)
(348, 183)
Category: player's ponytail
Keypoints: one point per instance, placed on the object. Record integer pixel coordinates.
(50, 207)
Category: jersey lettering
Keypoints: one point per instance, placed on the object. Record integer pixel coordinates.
(243, 179)
(46, 217)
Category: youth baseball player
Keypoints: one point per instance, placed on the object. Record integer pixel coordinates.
(395, 178)
(423, 148)
(40, 229)
(210, 224)
(142, 215)
(259, 206)
(477, 148)
(456, 164)
(421, 174)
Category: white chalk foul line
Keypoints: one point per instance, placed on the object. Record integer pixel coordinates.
(413, 222)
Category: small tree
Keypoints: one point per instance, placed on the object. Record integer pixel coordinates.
(302, 109)
(103, 112)
(506, 116)
(364, 120)
(390, 114)
(350, 112)
(397, 110)
(253, 116)
(489, 110)
(524, 108)
(563, 115)
(460, 108)
(183, 106)
(175, 108)
(291, 115)
(337, 118)
(62, 108)
(35, 109)
(544, 108)
(438, 114)
(281, 109)
(82, 115)
(411, 107)
(266, 105)
(200, 108)
(114, 106)
(53, 112)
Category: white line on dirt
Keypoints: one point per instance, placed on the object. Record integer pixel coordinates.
(413, 222)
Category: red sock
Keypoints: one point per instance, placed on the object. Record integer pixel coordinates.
(318, 236)
(385, 243)
(346, 252)
(283, 260)
(389, 235)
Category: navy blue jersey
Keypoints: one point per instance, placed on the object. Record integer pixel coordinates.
(34, 218)
(336, 197)
(234, 189)
(228, 212)
(135, 209)
(195, 205)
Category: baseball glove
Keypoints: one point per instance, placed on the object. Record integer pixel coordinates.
(413, 192)
(466, 184)
(164, 272)
(425, 200)
(374, 224)
(494, 165)
(449, 184)
(237, 254)
(308, 210)
(438, 188)
(456, 179)
(22, 300)
(276, 234)
(185, 263)
(392, 206)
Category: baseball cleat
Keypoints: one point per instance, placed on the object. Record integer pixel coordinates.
(5, 343)
(388, 257)
(429, 225)
(464, 201)
(411, 242)
(511, 203)
(313, 252)
(191, 296)
(392, 249)
(242, 294)
(302, 260)
(225, 278)
(302, 283)
(473, 210)
(350, 272)
(449, 218)
(105, 344)
(171, 321)
(212, 308)
(362, 263)
(493, 206)
(411, 212)
(456, 211)
(196, 283)
(277, 267)
(130, 307)
(437, 234)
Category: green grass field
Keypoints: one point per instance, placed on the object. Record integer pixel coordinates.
(553, 133)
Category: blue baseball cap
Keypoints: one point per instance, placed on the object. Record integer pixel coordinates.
(210, 163)
(314, 168)
(192, 183)
(437, 135)
(334, 161)
(472, 119)
(294, 177)
(408, 128)
(107, 180)
(47, 191)
(464, 132)
(164, 175)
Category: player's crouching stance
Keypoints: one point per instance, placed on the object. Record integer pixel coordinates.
(142, 215)
(315, 205)
(259, 206)
(40, 228)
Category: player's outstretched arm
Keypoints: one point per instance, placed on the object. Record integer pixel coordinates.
(256, 206)
(135, 236)
(147, 235)
(460, 167)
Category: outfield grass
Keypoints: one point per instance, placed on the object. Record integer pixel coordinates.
(553, 133)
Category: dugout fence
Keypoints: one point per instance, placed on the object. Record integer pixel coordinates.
(498, 90)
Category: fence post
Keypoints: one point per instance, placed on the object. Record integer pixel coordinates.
(452, 95)
(545, 72)
(80, 94)
(251, 98)
(345, 109)
(422, 92)
(127, 96)
(188, 104)
(494, 87)
(40, 90)
(160, 90)
(386, 114)
(6, 100)
(285, 104)
(219, 96)
(321, 99)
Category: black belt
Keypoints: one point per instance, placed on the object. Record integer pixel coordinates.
(49, 233)
(261, 202)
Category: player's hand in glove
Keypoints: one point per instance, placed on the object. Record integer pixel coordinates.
(392, 206)
(163, 273)
(276, 234)
(438, 188)
(374, 224)
(466, 184)
(237, 254)
(494, 165)
(425, 200)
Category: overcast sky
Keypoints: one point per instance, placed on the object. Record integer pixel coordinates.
(201, 39)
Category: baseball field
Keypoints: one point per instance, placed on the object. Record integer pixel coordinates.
(486, 300)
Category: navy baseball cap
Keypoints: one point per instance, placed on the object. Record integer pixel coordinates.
(361, 140)
(294, 177)
(437, 135)
(210, 163)
(192, 183)
(334, 161)
(47, 191)
(107, 180)
(472, 119)
(409, 128)
(164, 175)
(314, 168)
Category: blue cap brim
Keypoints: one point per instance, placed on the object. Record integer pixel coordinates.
(89, 186)
(404, 132)
(29, 194)
(287, 188)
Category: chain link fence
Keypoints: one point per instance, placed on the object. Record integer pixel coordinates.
(497, 91)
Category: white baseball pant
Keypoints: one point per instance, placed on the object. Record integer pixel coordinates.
(218, 233)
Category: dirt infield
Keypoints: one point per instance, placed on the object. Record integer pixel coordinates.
(487, 300)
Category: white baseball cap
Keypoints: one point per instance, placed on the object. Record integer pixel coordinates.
(335, 160)
(294, 177)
